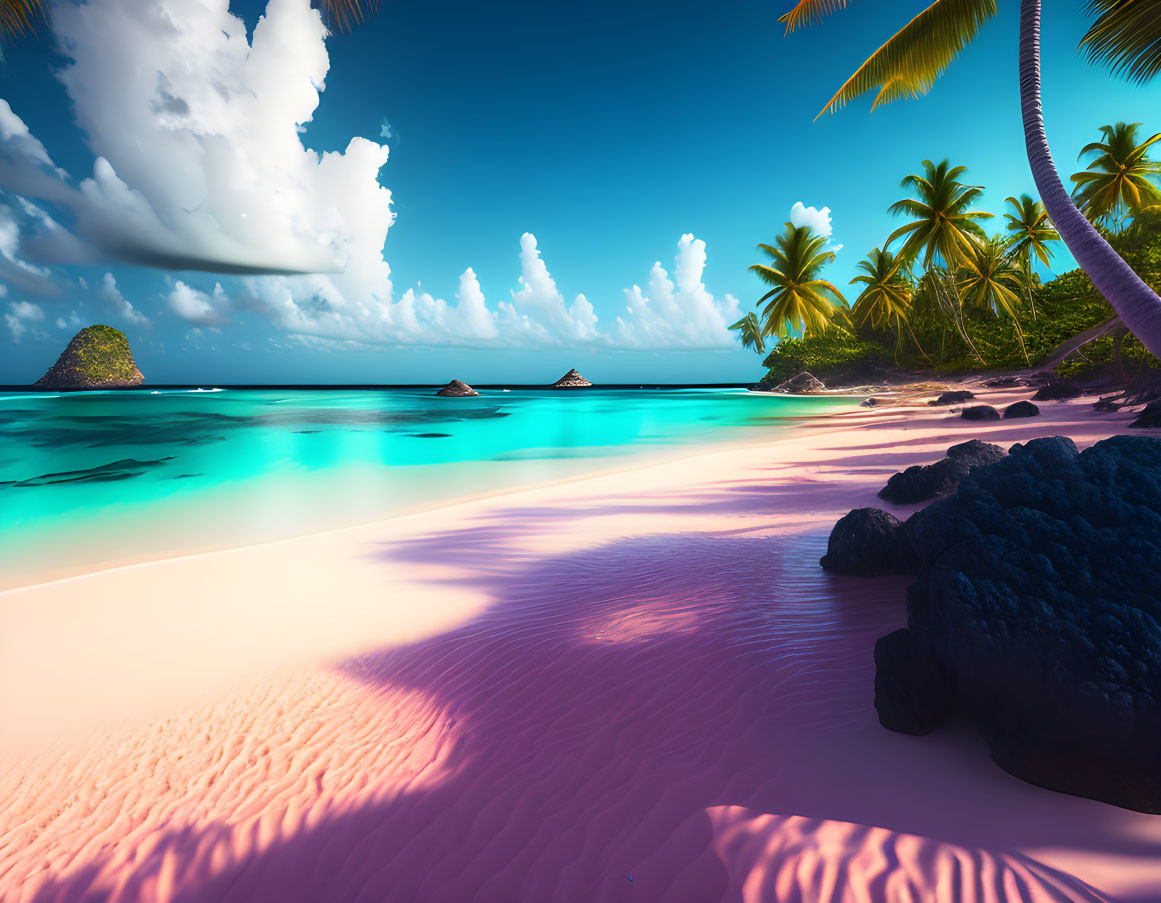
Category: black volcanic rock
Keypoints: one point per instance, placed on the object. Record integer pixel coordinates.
(954, 397)
(1036, 615)
(868, 542)
(457, 389)
(1056, 391)
(980, 412)
(1021, 409)
(97, 357)
(571, 380)
(1150, 417)
(801, 384)
(927, 481)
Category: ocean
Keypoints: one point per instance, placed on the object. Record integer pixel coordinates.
(90, 480)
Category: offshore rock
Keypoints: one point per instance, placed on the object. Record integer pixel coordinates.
(954, 397)
(571, 380)
(457, 389)
(97, 357)
(980, 412)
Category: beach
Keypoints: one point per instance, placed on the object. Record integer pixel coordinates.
(632, 686)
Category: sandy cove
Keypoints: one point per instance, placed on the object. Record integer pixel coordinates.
(638, 686)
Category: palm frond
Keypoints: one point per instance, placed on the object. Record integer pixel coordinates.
(1126, 37)
(808, 12)
(20, 17)
(909, 62)
(344, 15)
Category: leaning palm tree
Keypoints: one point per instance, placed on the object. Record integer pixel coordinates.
(886, 297)
(1126, 36)
(1031, 232)
(750, 332)
(995, 282)
(944, 228)
(18, 17)
(1119, 180)
(799, 300)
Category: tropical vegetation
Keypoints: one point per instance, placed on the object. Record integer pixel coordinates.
(1126, 37)
(944, 293)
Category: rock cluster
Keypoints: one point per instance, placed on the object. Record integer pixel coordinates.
(928, 481)
(1056, 391)
(980, 412)
(954, 397)
(1036, 615)
(802, 384)
(868, 542)
(1021, 409)
(1150, 417)
(457, 389)
(97, 357)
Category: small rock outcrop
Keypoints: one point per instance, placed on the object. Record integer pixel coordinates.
(955, 397)
(801, 384)
(1002, 382)
(571, 380)
(1036, 615)
(928, 481)
(980, 412)
(869, 542)
(97, 357)
(871, 402)
(457, 389)
(1021, 409)
(1057, 391)
(1150, 417)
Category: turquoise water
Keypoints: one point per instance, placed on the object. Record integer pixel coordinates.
(96, 479)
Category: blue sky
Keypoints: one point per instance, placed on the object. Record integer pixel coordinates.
(608, 131)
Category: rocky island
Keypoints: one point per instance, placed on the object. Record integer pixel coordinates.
(457, 389)
(572, 380)
(97, 357)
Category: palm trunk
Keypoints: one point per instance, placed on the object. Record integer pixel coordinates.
(1137, 304)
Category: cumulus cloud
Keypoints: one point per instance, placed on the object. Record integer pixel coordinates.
(20, 314)
(197, 131)
(195, 306)
(117, 302)
(677, 313)
(818, 220)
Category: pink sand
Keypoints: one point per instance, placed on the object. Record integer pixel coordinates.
(632, 687)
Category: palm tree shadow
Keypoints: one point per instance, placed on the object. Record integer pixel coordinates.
(594, 712)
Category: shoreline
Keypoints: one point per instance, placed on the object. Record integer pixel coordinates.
(641, 672)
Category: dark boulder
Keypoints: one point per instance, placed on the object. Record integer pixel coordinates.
(1150, 417)
(802, 384)
(457, 389)
(1037, 616)
(868, 542)
(1057, 391)
(954, 397)
(1107, 405)
(980, 412)
(1002, 382)
(927, 481)
(1021, 409)
(869, 402)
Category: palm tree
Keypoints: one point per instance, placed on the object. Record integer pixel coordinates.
(344, 14)
(751, 332)
(18, 17)
(1126, 36)
(799, 299)
(944, 228)
(995, 281)
(1119, 180)
(886, 296)
(1031, 231)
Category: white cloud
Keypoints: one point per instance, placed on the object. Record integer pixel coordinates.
(818, 220)
(197, 131)
(111, 295)
(20, 314)
(195, 306)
